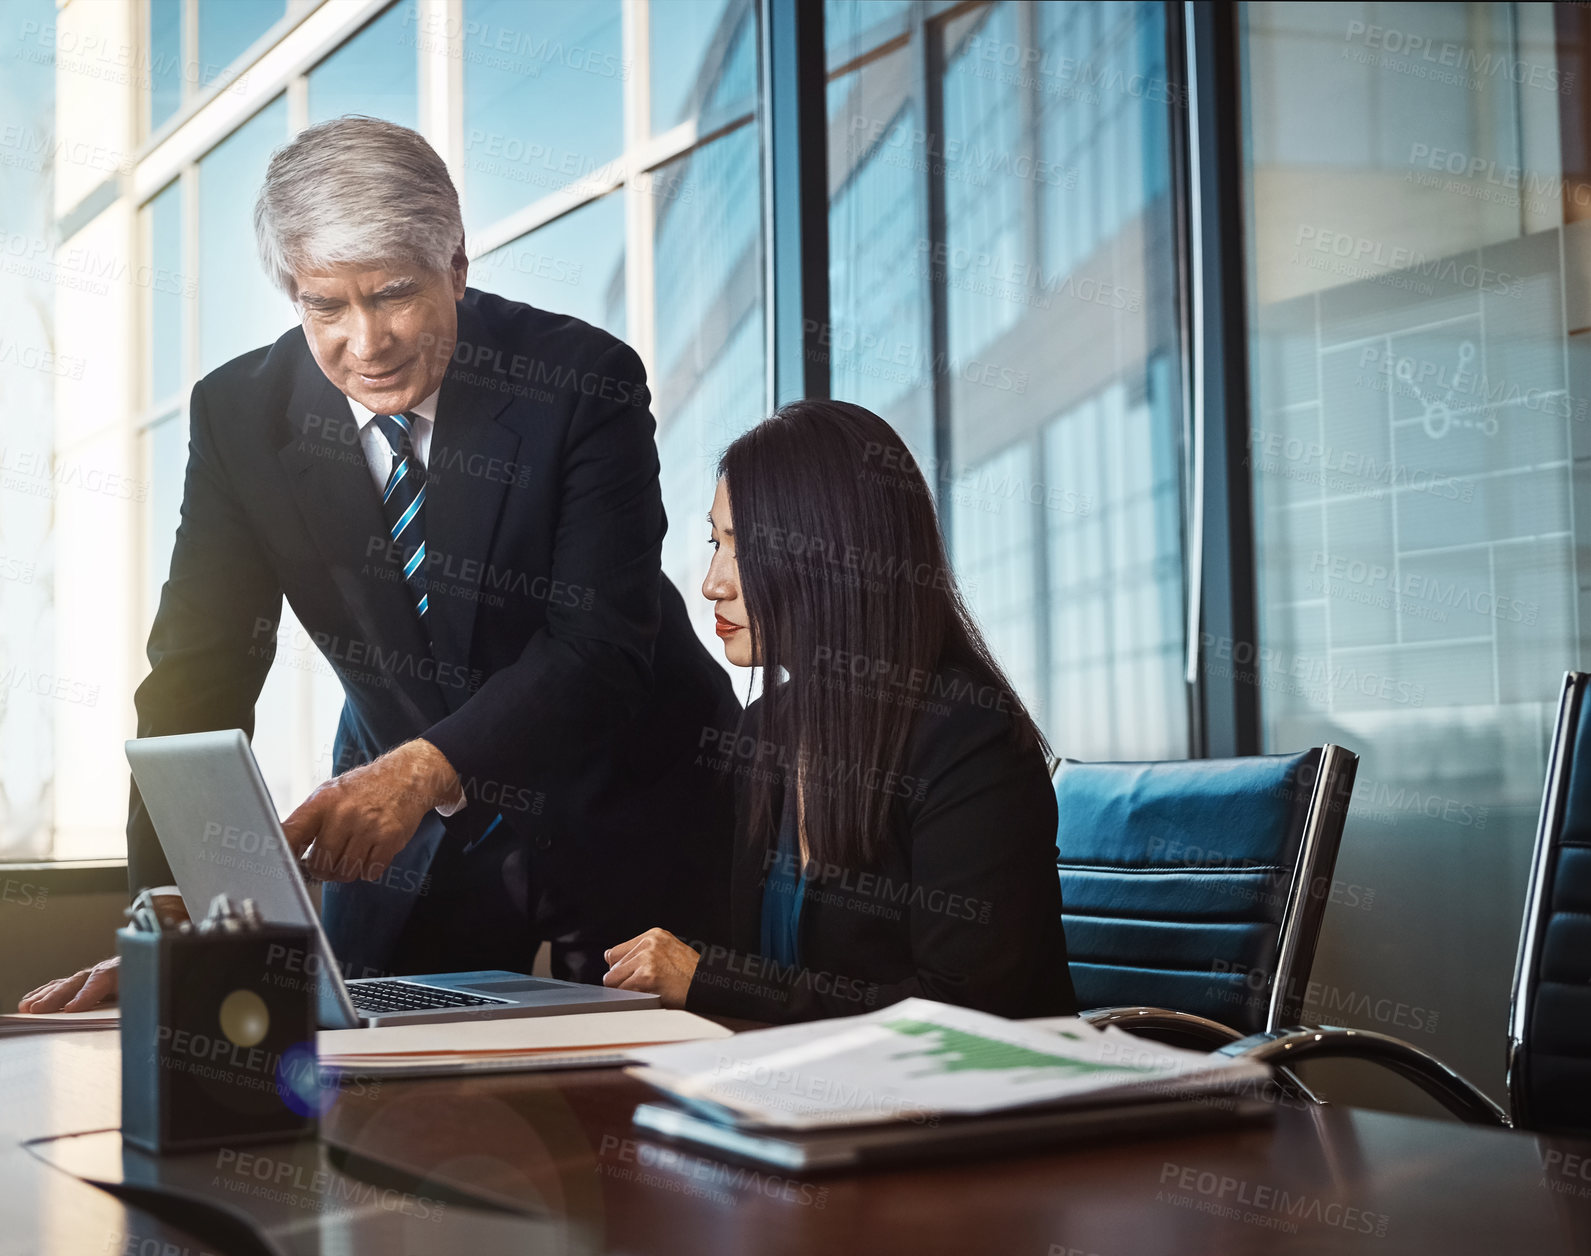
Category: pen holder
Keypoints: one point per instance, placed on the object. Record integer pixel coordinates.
(218, 1037)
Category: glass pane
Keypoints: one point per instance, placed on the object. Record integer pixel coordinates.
(284, 741)
(574, 265)
(167, 444)
(852, 27)
(704, 59)
(239, 309)
(375, 73)
(1414, 457)
(709, 382)
(288, 748)
(543, 100)
(165, 331)
(165, 60)
(40, 359)
(228, 27)
(879, 349)
(1062, 483)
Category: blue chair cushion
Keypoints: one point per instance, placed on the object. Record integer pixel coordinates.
(1175, 878)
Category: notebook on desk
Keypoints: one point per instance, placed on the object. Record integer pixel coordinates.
(813, 1151)
(54, 1022)
(582, 1040)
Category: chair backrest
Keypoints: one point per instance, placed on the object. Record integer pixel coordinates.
(1199, 885)
(1549, 1024)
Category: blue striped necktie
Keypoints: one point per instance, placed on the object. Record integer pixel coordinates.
(403, 502)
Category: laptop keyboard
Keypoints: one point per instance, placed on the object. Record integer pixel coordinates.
(384, 995)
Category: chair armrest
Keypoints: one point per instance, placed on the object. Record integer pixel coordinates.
(1162, 1022)
(1285, 1048)
(1185, 1029)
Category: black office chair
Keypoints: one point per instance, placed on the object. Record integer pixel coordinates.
(1193, 891)
(1549, 1021)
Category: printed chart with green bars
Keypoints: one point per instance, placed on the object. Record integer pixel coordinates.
(920, 1056)
(960, 1052)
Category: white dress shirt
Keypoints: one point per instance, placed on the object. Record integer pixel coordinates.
(378, 453)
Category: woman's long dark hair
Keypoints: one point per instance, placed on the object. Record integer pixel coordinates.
(850, 596)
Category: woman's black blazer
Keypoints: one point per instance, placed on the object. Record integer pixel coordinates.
(962, 906)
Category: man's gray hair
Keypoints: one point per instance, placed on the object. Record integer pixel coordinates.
(355, 190)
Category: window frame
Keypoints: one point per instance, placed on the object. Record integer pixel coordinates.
(790, 109)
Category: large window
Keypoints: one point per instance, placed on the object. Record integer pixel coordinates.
(586, 190)
(32, 375)
(543, 100)
(633, 202)
(1062, 334)
(880, 353)
(167, 332)
(1046, 410)
(1415, 444)
(710, 376)
(239, 307)
(375, 73)
(193, 46)
(575, 264)
(165, 60)
(1003, 291)
(703, 62)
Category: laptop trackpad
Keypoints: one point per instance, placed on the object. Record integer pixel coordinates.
(512, 985)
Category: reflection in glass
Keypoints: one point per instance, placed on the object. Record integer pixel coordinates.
(852, 27)
(228, 27)
(375, 73)
(574, 265)
(709, 384)
(239, 309)
(1062, 476)
(166, 328)
(704, 59)
(1415, 458)
(543, 100)
(879, 352)
(165, 60)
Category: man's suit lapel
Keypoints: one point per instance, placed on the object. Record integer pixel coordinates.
(472, 463)
(333, 493)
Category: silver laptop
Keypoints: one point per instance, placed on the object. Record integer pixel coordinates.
(218, 827)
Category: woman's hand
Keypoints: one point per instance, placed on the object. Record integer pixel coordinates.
(656, 962)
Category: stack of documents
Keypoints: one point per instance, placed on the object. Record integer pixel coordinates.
(581, 1040)
(921, 1076)
(45, 1022)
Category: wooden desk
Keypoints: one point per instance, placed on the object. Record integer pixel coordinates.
(557, 1153)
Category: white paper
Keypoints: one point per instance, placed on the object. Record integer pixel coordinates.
(515, 1035)
(919, 1057)
(45, 1022)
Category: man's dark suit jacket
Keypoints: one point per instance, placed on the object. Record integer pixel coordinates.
(963, 905)
(561, 678)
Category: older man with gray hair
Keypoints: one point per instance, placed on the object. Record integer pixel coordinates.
(458, 496)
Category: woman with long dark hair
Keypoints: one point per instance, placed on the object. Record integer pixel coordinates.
(896, 823)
